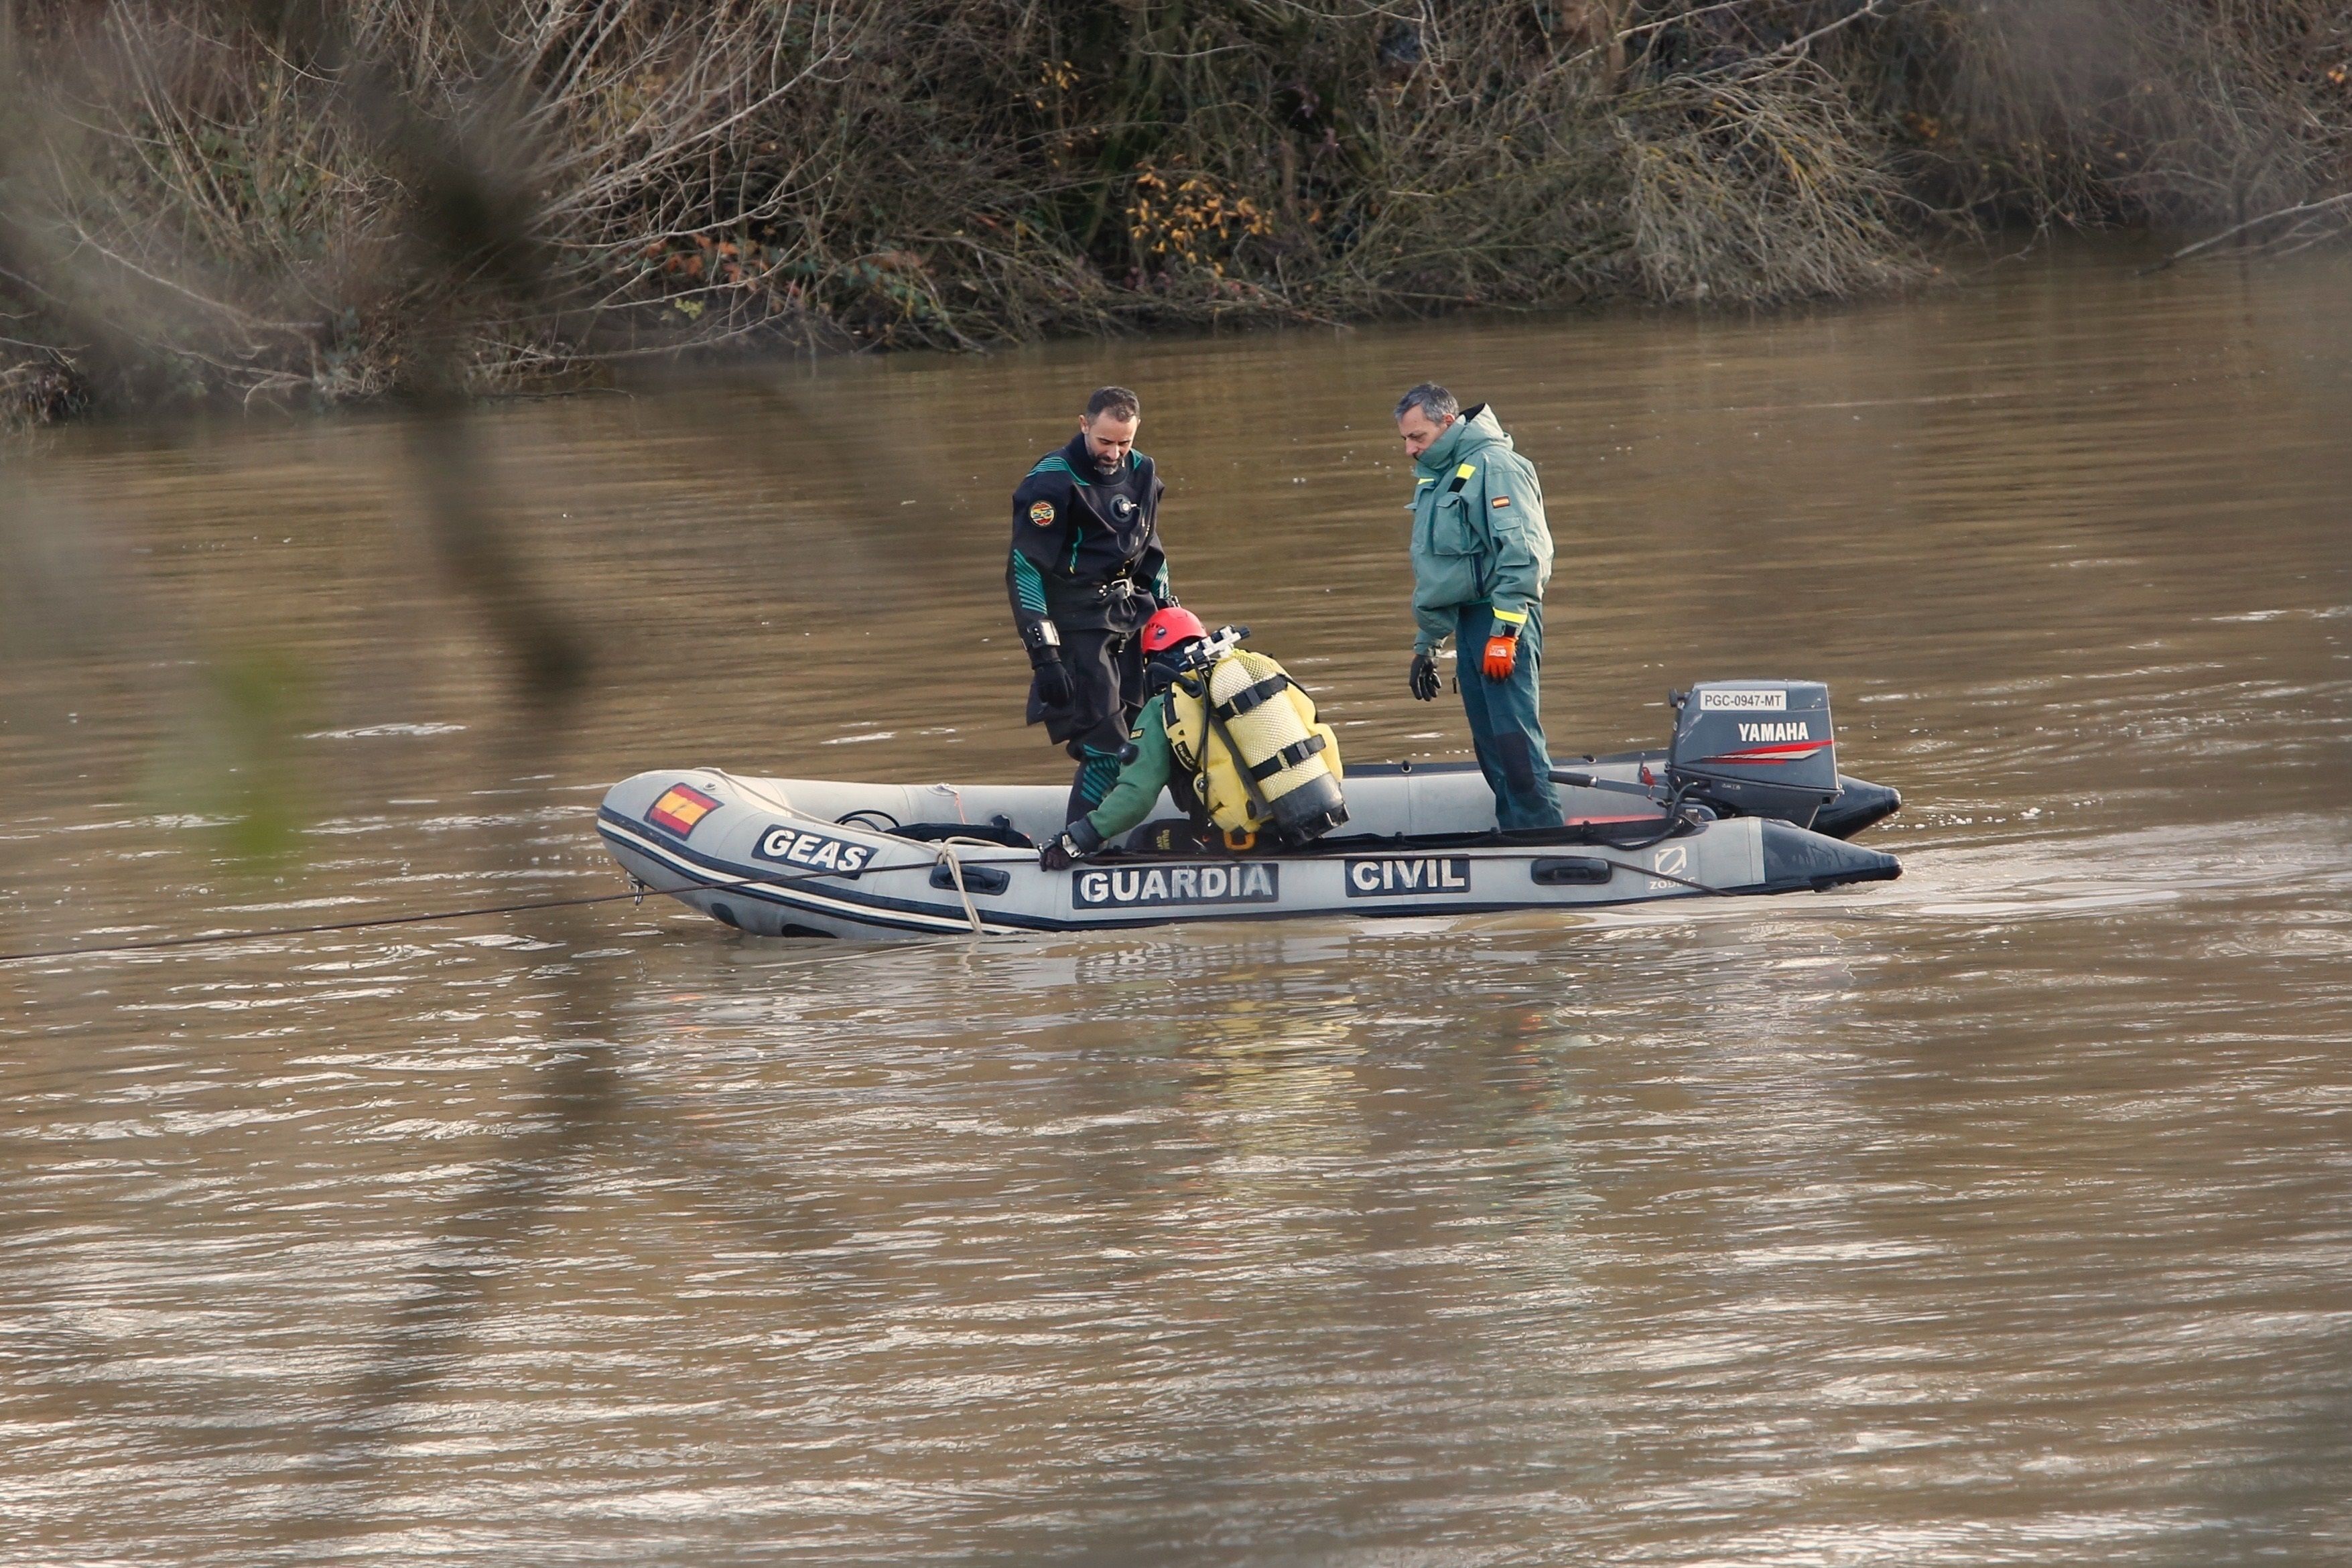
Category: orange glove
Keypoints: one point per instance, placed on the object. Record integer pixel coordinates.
(1502, 658)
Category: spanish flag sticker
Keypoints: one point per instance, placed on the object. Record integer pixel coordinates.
(1502, 502)
(680, 808)
(1041, 512)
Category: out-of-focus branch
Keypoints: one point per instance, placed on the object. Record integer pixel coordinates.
(2301, 210)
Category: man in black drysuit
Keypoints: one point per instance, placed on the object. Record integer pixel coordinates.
(1085, 572)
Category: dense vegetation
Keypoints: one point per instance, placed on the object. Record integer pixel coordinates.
(294, 199)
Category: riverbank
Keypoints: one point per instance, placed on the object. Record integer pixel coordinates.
(309, 204)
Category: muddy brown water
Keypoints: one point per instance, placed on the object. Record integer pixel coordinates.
(2000, 1215)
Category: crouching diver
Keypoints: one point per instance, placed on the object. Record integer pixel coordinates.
(1227, 733)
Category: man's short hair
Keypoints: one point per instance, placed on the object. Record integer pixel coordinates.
(1431, 399)
(1115, 401)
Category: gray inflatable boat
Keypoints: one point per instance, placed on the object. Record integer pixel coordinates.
(1747, 800)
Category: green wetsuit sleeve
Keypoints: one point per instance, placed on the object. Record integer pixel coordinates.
(1138, 788)
(1037, 546)
(1027, 585)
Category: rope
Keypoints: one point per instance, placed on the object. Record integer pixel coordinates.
(955, 874)
(956, 795)
(751, 789)
(377, 922)
(946, 855)
(156, 943)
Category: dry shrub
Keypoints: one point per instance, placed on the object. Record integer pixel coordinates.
(2177, 114)
(191, 192)
(200, 199)
(1387, 158)
(1760, 190)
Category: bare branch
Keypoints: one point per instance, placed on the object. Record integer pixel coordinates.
(2299, 210)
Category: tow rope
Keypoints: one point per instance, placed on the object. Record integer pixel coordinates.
(637, 895)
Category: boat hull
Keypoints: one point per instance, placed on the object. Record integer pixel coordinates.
(776, 858)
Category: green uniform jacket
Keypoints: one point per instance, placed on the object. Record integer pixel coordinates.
(1130, 800)
(1478, 529)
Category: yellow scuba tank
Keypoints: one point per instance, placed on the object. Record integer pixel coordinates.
(1258, 756)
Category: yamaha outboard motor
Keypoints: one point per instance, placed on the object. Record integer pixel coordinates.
(1757, 747)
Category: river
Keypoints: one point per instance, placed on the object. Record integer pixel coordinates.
(2002, 1214)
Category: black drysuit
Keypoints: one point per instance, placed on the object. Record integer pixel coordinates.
(1086, 562)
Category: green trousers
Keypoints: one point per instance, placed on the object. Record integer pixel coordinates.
(1507, 719)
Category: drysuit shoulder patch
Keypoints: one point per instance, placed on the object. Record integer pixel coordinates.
(1041, 512)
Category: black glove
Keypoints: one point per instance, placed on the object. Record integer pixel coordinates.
(1054, 689)
(1424, 679)
(1077, 841)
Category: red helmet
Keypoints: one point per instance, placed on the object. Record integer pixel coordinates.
(1170, 626)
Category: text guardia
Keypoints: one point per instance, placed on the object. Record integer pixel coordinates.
(1162, 885)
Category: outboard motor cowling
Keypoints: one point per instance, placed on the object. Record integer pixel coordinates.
(1759, 748)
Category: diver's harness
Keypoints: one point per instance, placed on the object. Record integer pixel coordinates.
(1302, 808)
(1113, 589)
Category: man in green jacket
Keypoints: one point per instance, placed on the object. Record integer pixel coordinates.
(1481, 557)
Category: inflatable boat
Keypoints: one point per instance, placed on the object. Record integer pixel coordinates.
(1746, 800)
